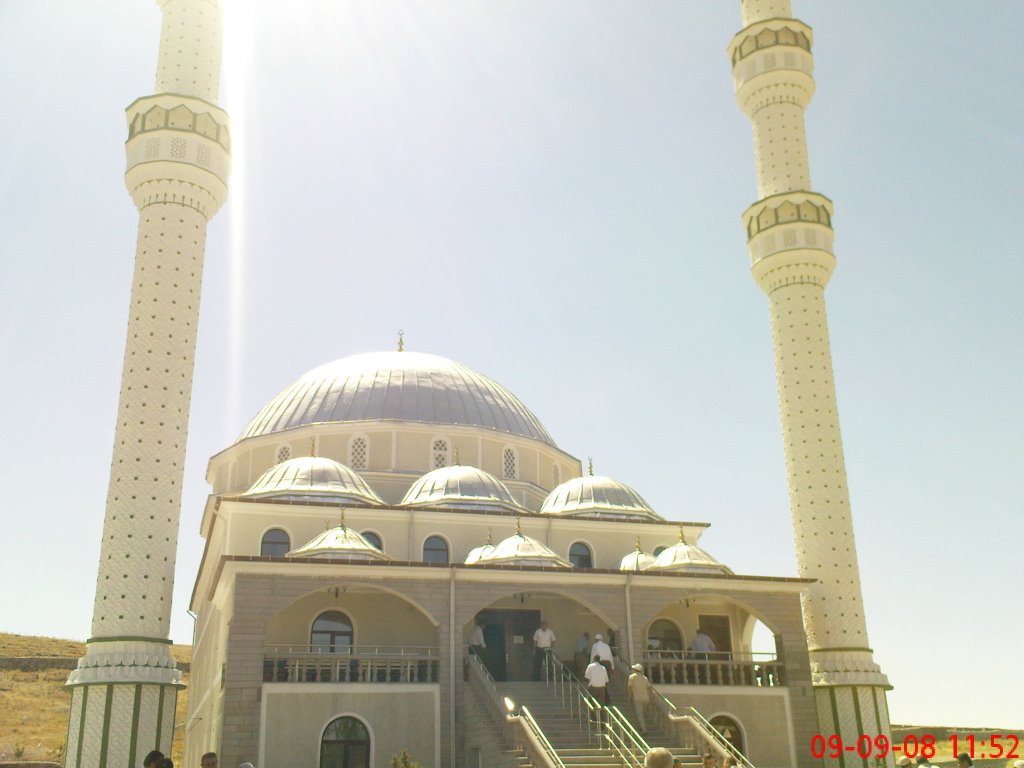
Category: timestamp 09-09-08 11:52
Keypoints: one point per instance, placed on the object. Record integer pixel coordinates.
(992, 746)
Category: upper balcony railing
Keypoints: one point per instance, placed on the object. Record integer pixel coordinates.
(350, 664)
(716, 668)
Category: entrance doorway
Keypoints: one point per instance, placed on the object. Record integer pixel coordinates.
(508, 634)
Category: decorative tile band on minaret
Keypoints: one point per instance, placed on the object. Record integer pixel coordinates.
(789, 237)
(178, 159)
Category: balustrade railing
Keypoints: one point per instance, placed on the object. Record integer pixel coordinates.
(717, 668)
(350, 664)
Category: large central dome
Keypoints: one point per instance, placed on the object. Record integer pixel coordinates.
(397, 386)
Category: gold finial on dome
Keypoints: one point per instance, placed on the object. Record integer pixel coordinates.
(401, 340)
(490, 536)
(682, 536)
(456, 455)
(519, 526)
(312, 446)
(638, 549)
(590, 465)
(341, 519)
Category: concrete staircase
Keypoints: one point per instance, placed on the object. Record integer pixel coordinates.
(570, 738)
(561, 727)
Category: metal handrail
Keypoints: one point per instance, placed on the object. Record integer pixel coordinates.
(623, 738)
(572, 693)
(533, 738)
(698, 727)
(532, 728)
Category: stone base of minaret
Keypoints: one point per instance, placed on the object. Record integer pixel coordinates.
(123, 696)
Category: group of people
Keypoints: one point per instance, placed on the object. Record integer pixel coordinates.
(659, 757)
(156, 759)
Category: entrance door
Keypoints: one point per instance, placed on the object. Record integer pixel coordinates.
(511, 656)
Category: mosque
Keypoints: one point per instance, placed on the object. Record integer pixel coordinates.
(386, 535)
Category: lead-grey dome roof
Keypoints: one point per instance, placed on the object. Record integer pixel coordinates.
(397, 386)
(460, 486)
(597, 495)
(313, 477)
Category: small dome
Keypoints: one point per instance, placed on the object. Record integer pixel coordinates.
(637, 560)
(339, 542)
(313, 477)
(522, 550)
(597, 495)
(687, 558)
(460, 486)
(479, 553)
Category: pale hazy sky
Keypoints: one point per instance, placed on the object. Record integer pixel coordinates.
(549, 191)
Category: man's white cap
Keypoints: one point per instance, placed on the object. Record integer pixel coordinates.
(599, 636)
(247, 765)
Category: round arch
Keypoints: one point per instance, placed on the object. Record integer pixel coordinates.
(377, 587)
(339, 716)
(590, 551)
(346, 614)
(440, 536)
(276, 527)
(508, 591)
(739, 738)
(647, 617)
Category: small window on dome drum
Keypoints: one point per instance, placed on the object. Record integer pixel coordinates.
(283, 454)
(439, 456)
(374, 539)
(509, 464)
(556, 476)
(275, 543)
(580, 555)
(357, 453)
(435, 550)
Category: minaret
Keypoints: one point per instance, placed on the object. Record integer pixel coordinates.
(789, 236)
(125, 687)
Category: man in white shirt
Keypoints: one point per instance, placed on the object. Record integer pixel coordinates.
(603, 651)
(543, 641)
(597, 683)
(701, 649)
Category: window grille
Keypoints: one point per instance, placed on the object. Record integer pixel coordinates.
(440, 453)
(283, 453)
(509, 464)
(357, 453)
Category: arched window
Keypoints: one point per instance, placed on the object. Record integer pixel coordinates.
(580, 556)
(663, 637)
(284, 453)
(358, 452)
(374, 539)
(509, 465)
(556, 475)
(275, 543)
(730, 729)
(439, 453)
(659, 550)
(331, 633)
(345, 744)
(435, 550)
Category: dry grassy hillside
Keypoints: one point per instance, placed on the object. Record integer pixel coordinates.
(34, 703)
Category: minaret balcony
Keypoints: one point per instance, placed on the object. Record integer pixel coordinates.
(178, 150)
(771, 60)
(791, 230)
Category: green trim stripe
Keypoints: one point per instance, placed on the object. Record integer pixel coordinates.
(81, 725)
(830, 650)
(129, 639)
(159, 715)
(860, 720)
(835, 721)
(136, 707)
(108, 704)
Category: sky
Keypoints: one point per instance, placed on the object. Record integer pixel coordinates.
(550, 193)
